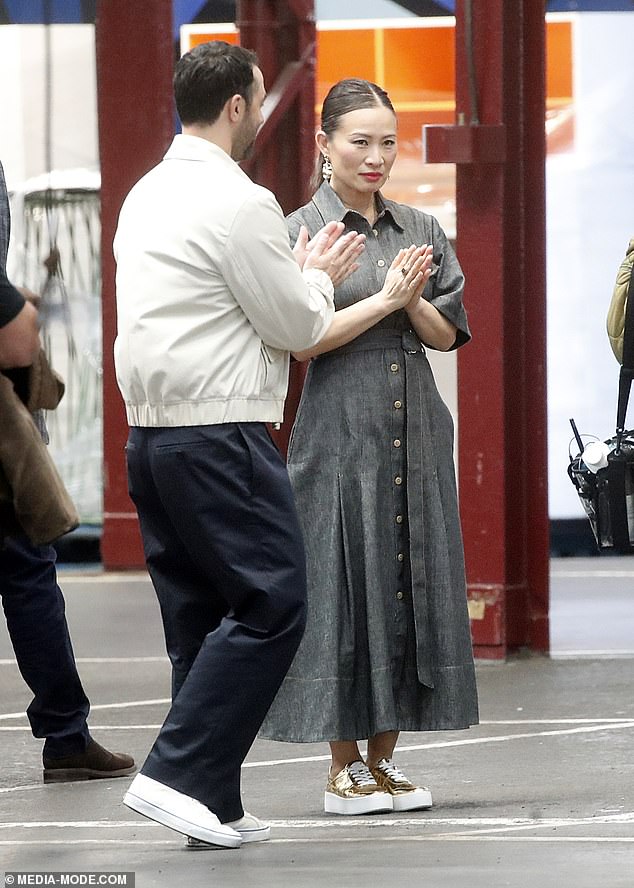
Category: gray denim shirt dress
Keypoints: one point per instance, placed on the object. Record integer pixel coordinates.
(387, 645)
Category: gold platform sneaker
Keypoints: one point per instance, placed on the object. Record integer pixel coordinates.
(405, 795)
(355, 791)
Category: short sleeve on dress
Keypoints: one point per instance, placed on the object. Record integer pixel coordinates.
(447, 284)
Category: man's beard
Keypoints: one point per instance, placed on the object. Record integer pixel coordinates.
(242, 148)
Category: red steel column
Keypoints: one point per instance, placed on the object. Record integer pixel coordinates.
(135, 61)
(283, 33)
(536, 448)
(499, 146)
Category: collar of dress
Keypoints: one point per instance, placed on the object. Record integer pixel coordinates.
(331, 207)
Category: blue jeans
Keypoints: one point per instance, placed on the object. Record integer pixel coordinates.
(35, 611)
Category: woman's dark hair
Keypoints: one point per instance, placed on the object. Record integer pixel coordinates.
(345, 96)
(206, 77)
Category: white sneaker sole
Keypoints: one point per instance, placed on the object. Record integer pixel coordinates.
(416, 800)
(224, 838)
(255, 835)
(373, 803)
(247, 835)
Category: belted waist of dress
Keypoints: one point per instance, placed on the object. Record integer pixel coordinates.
(379, 339)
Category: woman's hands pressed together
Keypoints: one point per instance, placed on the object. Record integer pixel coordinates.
(407, 276)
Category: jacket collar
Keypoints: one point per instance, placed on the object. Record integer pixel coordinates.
(331, 207)
(194, 148)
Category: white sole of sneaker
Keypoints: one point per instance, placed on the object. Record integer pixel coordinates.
(412, 801)
(213, 837)
(373, 803)
(247, 835)
(255, 835)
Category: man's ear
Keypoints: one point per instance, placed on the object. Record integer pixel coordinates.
(234, 107)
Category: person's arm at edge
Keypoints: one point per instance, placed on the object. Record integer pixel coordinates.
(19, 337)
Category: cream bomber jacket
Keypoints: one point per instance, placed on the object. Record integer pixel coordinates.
(210, 299)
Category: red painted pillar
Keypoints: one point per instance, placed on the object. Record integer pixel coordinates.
(283, 34)
(536, 447)
(499, 147)
(135, 61)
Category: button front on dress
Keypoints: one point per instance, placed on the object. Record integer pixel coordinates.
(400, 556)
(399, 595)
(399, 519)
(381, 263)
(398, 405)
(397, 442)
(398, 480)
(394, 367)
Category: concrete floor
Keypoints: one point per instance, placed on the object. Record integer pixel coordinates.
(541, 793)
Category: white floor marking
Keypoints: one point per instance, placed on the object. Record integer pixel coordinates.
(140, 576)
(612, 654)
(470, 742)
(555, 654)
(447, 837)
(377, 822)
(597, 722)
(71, 579)
(600, 573)
(100, 660)
(591, 728)
(27, 729)
(554, 721)
(146, 843)
(130, 705)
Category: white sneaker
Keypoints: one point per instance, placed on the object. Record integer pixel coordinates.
(178, 811)
(250, 828)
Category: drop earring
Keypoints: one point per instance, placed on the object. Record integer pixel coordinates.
(326, 168)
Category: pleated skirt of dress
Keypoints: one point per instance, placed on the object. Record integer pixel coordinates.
(387, 645)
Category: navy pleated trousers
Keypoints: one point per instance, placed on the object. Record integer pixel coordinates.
(226, 557)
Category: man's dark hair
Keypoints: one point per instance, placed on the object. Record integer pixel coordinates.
(206, 77)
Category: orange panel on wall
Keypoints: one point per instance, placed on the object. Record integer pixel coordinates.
(415, 63)
(419, 63)
(559, 60)
(351, 51)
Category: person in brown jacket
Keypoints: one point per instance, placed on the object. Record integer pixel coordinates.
(31, 598)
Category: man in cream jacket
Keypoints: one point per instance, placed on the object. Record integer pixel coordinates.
(210, 301)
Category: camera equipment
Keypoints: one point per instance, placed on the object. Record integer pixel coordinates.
(605, 481)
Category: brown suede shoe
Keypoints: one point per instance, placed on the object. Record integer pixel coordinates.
(96, 762)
